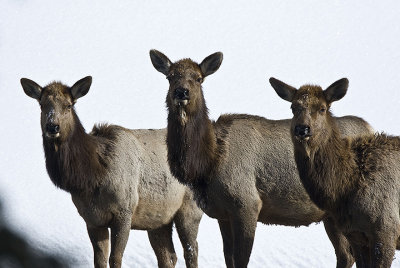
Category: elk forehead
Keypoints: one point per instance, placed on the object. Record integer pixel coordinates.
(309, 96)
(56, 92)
(185, 67)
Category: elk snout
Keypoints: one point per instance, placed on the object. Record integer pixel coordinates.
(302, 131)
(52, 129)
(181, 93)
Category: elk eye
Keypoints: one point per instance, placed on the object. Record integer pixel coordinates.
(69, 107)
(322, 110)
(295, 110)
(199, 80)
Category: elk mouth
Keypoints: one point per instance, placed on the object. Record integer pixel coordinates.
(302, 138)
(52, 135)
(181, 102)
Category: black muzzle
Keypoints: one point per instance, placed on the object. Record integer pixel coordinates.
(302, 131)
(181, 93)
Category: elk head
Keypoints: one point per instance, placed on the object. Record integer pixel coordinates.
(312, 119)
(57, 105)
(185, 77)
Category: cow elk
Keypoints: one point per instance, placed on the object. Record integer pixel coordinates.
(241, 167)
(118, 178)
(356, 180)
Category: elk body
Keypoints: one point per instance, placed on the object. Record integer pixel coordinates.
(356, 180)
(241, 167)
(118, 178)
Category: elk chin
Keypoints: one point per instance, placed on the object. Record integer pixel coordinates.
(181, 109)
(53, 139)
(304, 143)
(183, 118)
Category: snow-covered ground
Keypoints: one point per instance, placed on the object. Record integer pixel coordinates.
(295, 41)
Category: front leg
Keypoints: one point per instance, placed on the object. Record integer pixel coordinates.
(163, 246)
(119, 237)
(361, 255)
(244, 224)
(100, 240)
(187, 221)
(344, 256)
(382, 248)
(227, 239)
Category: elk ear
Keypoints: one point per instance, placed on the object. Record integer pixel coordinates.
(211, 64)
(284, 91)
(337, 90)
(81, 88)
(160, 61)
(31, 89)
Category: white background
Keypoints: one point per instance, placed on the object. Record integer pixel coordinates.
(296, 41)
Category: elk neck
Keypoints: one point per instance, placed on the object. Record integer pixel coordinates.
(192, 147)
(328, 169)
(76, 164)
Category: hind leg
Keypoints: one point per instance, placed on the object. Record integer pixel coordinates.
(161, 242)
(344, 257)
(187, 221)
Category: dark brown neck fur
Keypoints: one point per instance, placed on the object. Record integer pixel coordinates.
(78, 164)
(192, 147)
(329, 171)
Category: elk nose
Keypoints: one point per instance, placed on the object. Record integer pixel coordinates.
(52, 128)
(302, 131)
(181, 93)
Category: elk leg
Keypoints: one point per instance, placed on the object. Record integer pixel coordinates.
(161, 242)
(361, 255)
(100, 240)
(119, 237)
(244, 228)
(382, 249)
(187, 222)
(227, 238)
(344, 257)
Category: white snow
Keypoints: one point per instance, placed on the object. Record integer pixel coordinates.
(296, 41)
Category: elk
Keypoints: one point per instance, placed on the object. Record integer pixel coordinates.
(356, 180)
(241, 167)
(118, 178)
